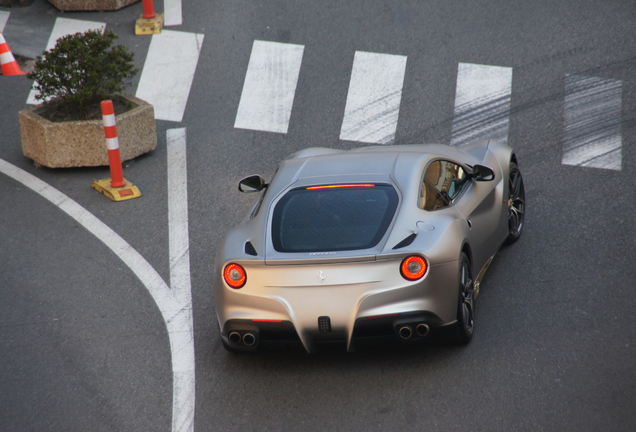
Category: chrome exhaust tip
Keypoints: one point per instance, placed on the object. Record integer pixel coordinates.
(405, 332)
(422, 329)
(235, 338)
(249, 339)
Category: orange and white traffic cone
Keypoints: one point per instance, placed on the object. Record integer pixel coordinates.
(116, 187)
(7, 61)
(112, 144)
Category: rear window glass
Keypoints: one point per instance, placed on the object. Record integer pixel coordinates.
(333, 218)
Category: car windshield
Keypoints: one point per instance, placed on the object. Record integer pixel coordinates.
(333, 217)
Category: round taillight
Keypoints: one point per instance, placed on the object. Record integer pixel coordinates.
(413, 267)
(234, 275)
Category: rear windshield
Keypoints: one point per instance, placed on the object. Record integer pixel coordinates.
(333, 218)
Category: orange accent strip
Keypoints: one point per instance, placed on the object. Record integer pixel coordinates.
(339, 186)
(110, 131)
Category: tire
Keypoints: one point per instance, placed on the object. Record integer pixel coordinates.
(465, 327)
(516, 204)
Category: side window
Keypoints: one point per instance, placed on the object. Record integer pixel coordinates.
(442, 183)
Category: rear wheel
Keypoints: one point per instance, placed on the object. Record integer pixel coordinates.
(516, 203)
(464, 328)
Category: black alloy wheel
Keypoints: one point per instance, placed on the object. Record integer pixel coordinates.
(465, 326)
(516, 204)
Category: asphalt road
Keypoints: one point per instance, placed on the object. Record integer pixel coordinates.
(84, 347)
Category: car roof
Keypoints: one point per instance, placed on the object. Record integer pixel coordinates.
(403, 164)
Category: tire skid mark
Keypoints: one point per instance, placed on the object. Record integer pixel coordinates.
(374, 96)
(592, 122)
(482, 103)
(386, 110)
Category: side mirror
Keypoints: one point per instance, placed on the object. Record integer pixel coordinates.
(482, 173)
(253, 183)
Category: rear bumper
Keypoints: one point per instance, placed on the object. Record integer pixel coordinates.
(269, 304)
(402, 328)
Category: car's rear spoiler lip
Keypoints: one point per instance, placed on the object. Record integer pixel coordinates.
(337, 260)
(320, 260)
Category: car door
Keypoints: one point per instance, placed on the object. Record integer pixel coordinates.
(446, 183)
(481, 206)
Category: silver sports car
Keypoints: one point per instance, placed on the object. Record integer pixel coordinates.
(375, 243)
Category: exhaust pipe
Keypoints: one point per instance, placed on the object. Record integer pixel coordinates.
(249, 339)
(422, 329)
(405, 332)
(235, 338)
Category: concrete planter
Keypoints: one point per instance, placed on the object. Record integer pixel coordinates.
(91, 5)
(82, 143)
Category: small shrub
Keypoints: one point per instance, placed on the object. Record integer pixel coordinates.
(82, 70)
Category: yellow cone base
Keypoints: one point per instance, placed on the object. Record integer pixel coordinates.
(149, 26)
(129, 191)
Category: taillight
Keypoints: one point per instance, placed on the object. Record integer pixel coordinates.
(413, 267)
(234, 275)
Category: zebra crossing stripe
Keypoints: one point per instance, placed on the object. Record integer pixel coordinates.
(373, 100)
(4, 17)
(592, 122)
(269, 88)
(482, 103)
(172, 12)
(168, 72)
(64, 27)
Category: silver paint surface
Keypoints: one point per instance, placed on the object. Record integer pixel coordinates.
(347, 285)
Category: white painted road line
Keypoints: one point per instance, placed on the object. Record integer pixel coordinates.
(482, 103)
(64, 27)
(269, 88)
(373, 101)
(182, 347)
(4, 17)
(592, 115)
(168, 72)
(176, 315)
(172, 13)
(178, 214)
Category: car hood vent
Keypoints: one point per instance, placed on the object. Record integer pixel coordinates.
(249, 249)
(407, 241)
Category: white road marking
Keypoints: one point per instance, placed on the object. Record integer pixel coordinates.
(182, 347)
(172, 13)
(482, 103)
(592, 115)
(373, 101)
(168, 72)
(269, 88)
(4, 17)
(64, 27)
(175, 308)
(178, 214)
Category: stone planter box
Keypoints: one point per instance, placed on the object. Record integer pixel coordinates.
(83, 143)
(91, 5)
